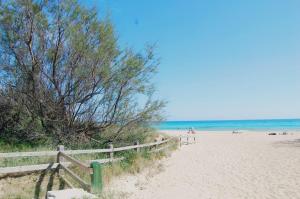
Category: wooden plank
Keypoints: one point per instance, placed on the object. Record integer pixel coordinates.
(77, 152)
(28, 168)
(51, 153)
(137, 149)
(155, 143)
(28, 154)
(67, 182)
(160, 149)
(111, 154)
(74, 152)
(41, 167)
(125, 148)
(141, 145)
(85, 185)
(74, 161)
(103, 161)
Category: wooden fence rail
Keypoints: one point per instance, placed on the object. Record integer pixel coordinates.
(77, 152)
(64, 160)
(187, 139)
(74, 161)
(49, 166)
(83, 184)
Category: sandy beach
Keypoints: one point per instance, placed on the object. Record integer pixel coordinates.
(221, 165)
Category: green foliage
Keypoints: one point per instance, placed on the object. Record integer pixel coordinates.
(64, 79)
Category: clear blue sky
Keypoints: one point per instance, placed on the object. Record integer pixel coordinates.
(219, 59)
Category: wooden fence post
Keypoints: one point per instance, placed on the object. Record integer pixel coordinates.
(156, 146)
(96, 178)
(111, 154)
(138, 148)
(187, 140)
(194, 139)
(60, 159)
(180, 140)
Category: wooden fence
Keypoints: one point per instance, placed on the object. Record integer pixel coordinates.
(65, 160)
(187, 139)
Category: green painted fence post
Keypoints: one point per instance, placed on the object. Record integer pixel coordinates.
(96, 177)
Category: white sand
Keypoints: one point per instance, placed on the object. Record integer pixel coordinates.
(225, 166)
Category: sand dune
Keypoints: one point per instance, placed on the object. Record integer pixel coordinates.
(222, 165)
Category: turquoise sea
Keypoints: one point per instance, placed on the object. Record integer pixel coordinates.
(267, 124)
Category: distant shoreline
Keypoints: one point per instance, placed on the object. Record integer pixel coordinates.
(233, 125)
(221, 120)
(183, 131)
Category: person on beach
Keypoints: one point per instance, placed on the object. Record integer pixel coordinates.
(191, 130)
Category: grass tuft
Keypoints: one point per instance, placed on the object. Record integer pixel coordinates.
(36, 185)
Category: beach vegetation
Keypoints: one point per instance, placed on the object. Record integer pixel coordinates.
(65, 79)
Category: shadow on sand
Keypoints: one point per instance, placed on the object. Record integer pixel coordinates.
(288, 143)
(52, 174)
(46, 180)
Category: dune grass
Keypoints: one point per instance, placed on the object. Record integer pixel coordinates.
(37, 184)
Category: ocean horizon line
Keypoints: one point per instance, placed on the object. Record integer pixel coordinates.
(257, 124)
(216, 120)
